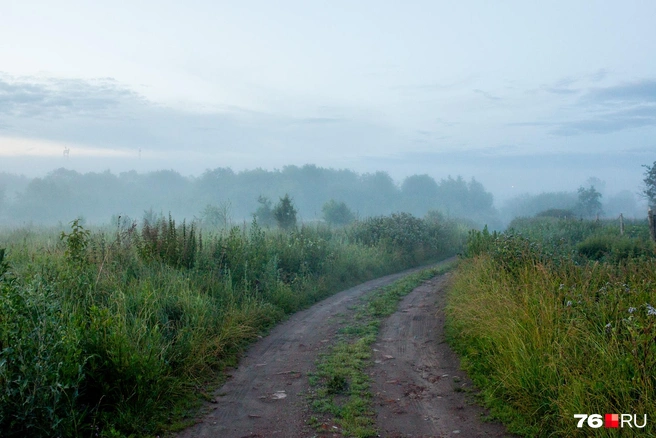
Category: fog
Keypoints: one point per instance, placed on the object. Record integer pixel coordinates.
(223, 197)
(529, 100)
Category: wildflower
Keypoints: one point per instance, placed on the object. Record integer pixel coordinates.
(632, 309)
(561, 286)
(650, 310)
(608, 328)
(569, 304)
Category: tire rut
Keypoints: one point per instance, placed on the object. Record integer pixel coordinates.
(416, 379)
(421, 391)
(266, 395)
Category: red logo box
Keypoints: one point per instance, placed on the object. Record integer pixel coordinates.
(612, 421)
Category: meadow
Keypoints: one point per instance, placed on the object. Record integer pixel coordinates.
(556, 317)
(121, 330)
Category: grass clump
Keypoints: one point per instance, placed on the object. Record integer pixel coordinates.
(548, 333)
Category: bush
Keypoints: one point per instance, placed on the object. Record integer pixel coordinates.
(337, 214)
(285, 213)
(557, 213)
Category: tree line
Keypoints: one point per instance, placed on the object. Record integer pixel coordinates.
(223, 196)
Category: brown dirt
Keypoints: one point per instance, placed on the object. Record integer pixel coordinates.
(419, 388)
(417, 392)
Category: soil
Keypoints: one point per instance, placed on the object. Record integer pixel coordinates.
(419, 389)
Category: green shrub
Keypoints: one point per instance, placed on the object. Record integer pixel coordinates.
(41, 362)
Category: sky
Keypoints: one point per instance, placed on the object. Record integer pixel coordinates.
(523, 96)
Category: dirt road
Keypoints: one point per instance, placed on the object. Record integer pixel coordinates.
(419, 393)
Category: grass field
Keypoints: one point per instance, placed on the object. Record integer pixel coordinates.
(555, 318)
(118, 331)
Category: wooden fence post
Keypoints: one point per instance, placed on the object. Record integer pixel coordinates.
(652, 224)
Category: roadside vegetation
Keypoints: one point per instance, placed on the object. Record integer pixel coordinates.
(557, 317)
(118, 331)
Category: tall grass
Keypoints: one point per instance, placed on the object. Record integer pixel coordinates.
(548, 334)
(116, 332)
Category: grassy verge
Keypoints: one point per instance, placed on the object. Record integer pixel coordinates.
(547, 336)
(116, 332)
(341, 393)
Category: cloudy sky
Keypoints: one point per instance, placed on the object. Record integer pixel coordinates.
(524, 96)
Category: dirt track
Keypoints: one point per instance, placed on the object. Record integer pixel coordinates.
(419, 393)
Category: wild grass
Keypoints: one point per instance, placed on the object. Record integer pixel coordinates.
(117, 332)
(551, 333)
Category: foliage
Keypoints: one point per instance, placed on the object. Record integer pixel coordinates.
(109, 333)
(337, 213)
(162, 241)
(589, 202)
(98, 196)
(41, 363)
(285, 213)
(556, 212)
(527, 205)
(264, 213)
(216, 216)
(547, 319)
(76, 242)
(650, 184)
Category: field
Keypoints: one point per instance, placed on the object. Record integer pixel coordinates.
(122, 330)
(114, 332)
(555, 318)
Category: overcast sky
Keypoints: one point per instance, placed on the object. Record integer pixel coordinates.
(524, 96)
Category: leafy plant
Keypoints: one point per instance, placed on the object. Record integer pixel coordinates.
(285, 213)
(76, 242)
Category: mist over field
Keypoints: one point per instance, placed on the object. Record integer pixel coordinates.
(224, 197)
(523, 98)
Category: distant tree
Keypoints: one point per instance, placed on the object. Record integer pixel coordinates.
(598, 184)
(527, 205)
(419, 194)
(589, 202)
(650, 184)
(264, 214)
(337, 213)
(217, 216)
(285, 213)
(556, 212)
(378, 194)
